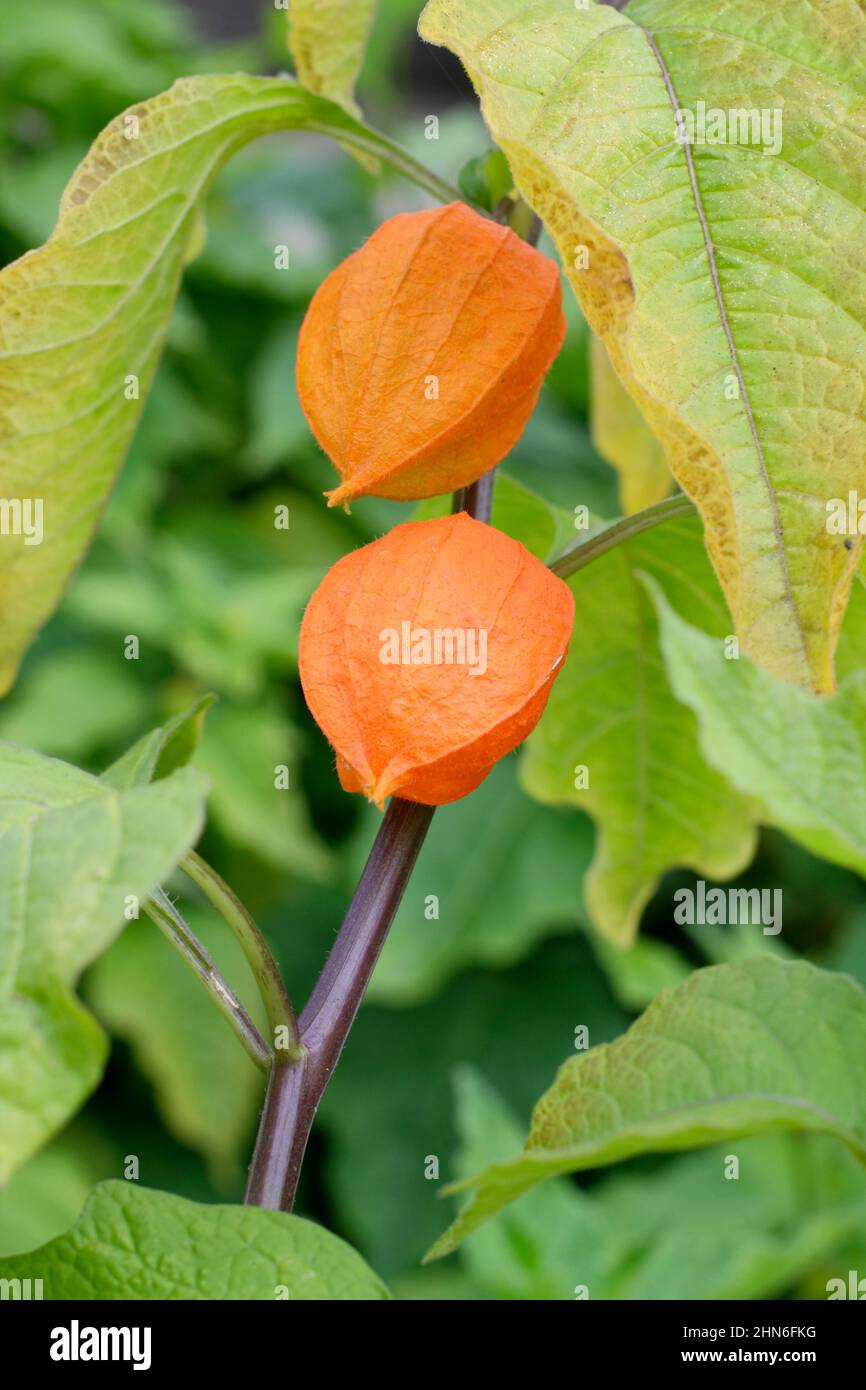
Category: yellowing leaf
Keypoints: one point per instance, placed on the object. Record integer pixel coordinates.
(327, 39)
(623, 437)
(83, 319)
(727, 280)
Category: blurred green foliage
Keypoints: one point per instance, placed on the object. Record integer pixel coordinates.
(484, 997)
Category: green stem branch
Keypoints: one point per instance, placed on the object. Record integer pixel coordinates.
(180, 935)
(275, 998)
(584, 552)
(371, 142)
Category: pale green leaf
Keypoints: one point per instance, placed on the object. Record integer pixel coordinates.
(159, 752)
(83, 319)
(736, 1050)
(726, 277)
(132, 1243)
(74, 853)
(657, 802)
(801, 758)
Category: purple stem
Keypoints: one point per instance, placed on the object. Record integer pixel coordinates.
(296, 1086)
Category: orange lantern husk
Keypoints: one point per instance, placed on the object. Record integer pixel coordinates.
(428, 655)
(421, 356)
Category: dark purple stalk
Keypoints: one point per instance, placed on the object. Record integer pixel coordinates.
(296, 1085)
(296, 1088)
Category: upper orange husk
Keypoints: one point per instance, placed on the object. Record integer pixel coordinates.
(422, 355)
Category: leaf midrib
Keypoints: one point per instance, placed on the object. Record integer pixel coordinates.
(788, 596)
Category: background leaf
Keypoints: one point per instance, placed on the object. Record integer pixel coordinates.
(657, 801)
(242, 748)
(522, 880)
(382, 1124)
(109, 705)
(735, 1050)
(44, 1197)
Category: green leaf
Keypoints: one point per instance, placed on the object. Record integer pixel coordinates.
(162, 751)
(657, 802)
(133, 1243)
(52, 1056)
(710, 263)
(488, 905)
(736, 1050)
(84, 318)
(486, 180)
(207, 1088)
(73, 853)
(278, 424)
(792, 1202)
(623, 437)
(225, 618)
(802, 759)
(327, 39)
